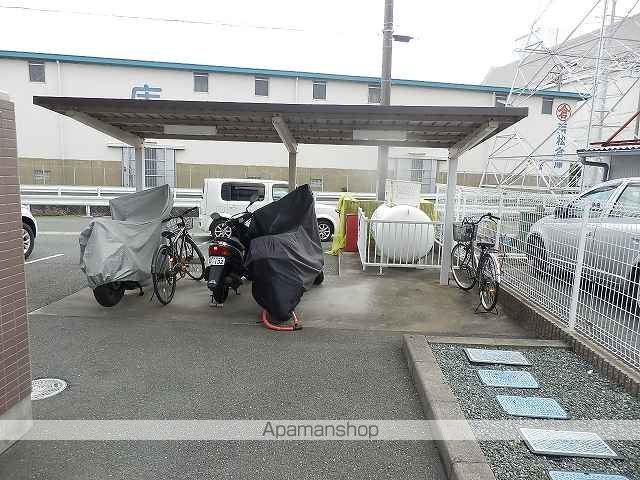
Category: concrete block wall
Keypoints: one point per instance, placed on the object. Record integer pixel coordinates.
(15, 360)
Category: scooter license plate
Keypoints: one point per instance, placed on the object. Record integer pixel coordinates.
(216, 261)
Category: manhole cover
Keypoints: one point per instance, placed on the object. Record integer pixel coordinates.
(46, 387)
(566, 444)
(503, 357)
(532, 407)
(507, 378)
(557, 475)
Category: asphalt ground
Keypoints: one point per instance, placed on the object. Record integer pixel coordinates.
(127, 367)
(132, 368)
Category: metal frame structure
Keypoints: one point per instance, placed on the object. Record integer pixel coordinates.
(457, 129)
(591, 64)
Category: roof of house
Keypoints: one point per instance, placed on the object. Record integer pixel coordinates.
(272, 73)
(609, 150)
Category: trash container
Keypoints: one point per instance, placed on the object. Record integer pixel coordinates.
(351, 244)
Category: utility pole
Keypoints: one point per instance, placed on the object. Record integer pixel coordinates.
(385, 92)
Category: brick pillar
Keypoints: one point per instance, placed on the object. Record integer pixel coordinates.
(15, 361)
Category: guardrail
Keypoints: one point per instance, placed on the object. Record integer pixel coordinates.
(95, 196)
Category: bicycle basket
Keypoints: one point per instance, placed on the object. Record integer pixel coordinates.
(175, 224)
(463, 232)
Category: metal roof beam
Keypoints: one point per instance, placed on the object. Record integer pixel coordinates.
(474, 138)
(285, 134)
(107, 129)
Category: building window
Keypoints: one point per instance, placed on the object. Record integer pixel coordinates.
(262, 86)
(374, 93)
(241, 192)
(36, 72)
(319, 90)
(547, 105)
(200, 82)
(41, 176)
(501, 99)
(316, 184)
(159, 166)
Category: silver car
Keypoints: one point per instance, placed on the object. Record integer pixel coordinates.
(612, 248)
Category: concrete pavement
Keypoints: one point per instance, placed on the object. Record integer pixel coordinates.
(142, 368)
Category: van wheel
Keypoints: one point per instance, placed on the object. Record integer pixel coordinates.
(325, 229)
(219, 229)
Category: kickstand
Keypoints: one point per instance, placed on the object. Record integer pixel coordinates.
(493, 311)
(141, 292)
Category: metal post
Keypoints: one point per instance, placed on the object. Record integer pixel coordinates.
(292, 170)
(139, 172)
(577, 279)
(385, 92)
(449, 214)
(500, 213)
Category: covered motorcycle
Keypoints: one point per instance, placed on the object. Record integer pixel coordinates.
(285, 255)
(116, 253)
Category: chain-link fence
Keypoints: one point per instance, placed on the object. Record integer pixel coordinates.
(577, 258)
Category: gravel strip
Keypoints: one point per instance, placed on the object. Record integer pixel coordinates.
(583, 393)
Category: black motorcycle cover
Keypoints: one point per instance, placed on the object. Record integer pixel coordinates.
(285, 255)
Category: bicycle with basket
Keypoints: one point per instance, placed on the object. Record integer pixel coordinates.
(475, 261)
(176, 258)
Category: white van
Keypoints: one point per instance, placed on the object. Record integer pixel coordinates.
(228, 196)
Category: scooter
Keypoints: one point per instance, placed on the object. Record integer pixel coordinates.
(225, 267)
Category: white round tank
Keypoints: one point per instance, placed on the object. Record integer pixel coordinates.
(400, 240)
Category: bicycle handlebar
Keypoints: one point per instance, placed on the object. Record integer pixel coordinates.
(486, 215)
(181, 215)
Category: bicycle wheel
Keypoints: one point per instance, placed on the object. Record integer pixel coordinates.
(193, 260)
(489, 283)
(463, 266)
(163, 274)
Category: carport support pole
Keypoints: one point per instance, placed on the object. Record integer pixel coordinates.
(139, 155)
(292, 170)
(449, 214)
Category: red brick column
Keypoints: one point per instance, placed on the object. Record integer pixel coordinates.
(15, 361)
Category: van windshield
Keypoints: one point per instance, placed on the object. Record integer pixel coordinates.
(280, 191)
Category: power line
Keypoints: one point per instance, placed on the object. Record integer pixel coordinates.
(153, 19)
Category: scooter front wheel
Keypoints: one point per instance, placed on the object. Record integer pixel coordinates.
(108, 294)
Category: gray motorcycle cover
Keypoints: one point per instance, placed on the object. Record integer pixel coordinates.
(285, 254)
(121, 248)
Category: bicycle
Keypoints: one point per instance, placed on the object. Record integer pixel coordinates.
(468, 270)
(177, 258)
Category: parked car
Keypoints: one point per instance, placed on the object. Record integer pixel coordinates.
(612, 249)
(29, 231)
(227, 196)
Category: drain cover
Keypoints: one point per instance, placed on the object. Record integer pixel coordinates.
(504, 357)
(566, 444)
(507, 378)
(557, 475)
(46, 387)
(533, 407)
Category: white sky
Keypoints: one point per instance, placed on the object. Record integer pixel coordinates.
(456, 40)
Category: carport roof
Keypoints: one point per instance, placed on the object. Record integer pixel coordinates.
(398, 125)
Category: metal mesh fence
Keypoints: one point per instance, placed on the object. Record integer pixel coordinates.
(579, 259)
